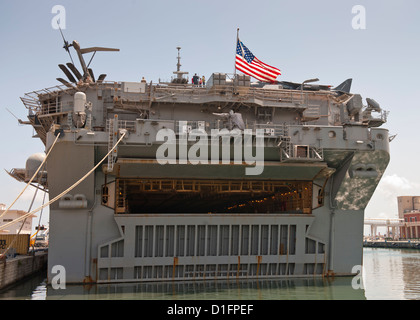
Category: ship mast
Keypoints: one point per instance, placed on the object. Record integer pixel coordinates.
(178, 72)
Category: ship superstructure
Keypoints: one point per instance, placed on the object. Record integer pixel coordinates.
(228, 180)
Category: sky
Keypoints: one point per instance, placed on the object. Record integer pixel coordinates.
(379, 50)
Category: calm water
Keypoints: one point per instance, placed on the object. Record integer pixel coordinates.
(387, 274)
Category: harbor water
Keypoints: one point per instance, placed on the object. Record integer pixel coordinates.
(387, 274)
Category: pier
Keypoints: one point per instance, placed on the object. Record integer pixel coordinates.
(20, 267)
(396, 234)
(392, 226)
(406, 244)
(397, 228)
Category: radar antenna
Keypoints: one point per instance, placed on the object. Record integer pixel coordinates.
(66, 43)
(87, 74)
(179, 74)
(178, 65)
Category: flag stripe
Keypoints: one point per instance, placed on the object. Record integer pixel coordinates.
(267, 66)
(263, 69)
(254, 71)
(257, 76)
(245, 68)
(256, 68)
(253, 74)
(247, 63)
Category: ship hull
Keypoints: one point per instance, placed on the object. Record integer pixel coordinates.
(102, 243)
(231, 180)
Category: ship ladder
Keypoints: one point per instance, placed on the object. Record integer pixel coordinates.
(112, 139)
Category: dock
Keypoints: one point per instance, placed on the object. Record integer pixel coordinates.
(15, 269)
(393, 244)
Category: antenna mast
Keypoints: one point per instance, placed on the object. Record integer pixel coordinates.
(178, 72)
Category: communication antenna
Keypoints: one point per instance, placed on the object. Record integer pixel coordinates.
(87, 73)
(67, 45)
(179, 74)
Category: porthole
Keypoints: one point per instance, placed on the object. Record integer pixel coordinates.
(331, 134)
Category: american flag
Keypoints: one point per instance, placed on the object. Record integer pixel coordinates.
(247, 63)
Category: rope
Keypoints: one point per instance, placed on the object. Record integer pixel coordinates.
(39, 224)
(20, 229)
(67, 190)
(33, 177)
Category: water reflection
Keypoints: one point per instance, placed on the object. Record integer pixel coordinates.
(387, 274)
(33, 288)
(287, 289)
(391, 273)
(291, 289)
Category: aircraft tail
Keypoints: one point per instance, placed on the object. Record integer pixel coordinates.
(345, 86)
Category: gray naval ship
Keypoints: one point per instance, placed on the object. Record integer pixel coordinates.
(230, 179)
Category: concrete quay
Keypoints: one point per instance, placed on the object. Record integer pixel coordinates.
(20, 267)
(403, 244)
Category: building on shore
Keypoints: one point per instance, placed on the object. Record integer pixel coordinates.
(409, 211)
(12, 215)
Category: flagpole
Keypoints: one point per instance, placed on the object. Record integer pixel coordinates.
(236, 44)
(234, 73)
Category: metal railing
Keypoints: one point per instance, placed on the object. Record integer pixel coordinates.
(279, 130)
(182, 92)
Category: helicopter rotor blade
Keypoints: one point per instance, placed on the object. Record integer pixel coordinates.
(101, 78)
(67, 73)
(91, 74)
(92, 49)
(67, 84)
(75, 71)
(66, 44)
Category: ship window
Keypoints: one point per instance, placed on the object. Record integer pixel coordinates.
(170, 236)
(290, 268)
(310, 245)
(148, 241)
(138, 241)
(116, 273)
(245, 240)
(104, 252)
(117, 249)
(274, 239)
(235, 240)
(103, 274)
(159, 241)
(180, 241)
(292, 245)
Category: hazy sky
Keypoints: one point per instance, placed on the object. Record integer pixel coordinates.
(305, 39)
